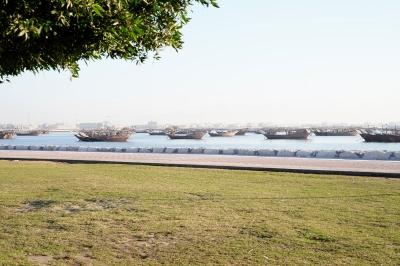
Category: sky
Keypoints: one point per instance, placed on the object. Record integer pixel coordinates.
(285, 62)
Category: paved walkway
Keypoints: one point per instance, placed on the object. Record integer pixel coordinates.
(281, 164)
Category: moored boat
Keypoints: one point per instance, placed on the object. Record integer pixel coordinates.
(7, 134)
(336, 132)
(188, 135)
(157, 133)
(241, 132)
(380, 137)
(288, 134)
(222, 133)
(107, 135)
(28, 133)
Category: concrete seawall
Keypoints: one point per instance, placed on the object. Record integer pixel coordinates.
(325, 154)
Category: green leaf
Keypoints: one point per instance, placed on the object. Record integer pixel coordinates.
(97, 9)
(91, 15)
(184, 18)
(40, 30)
(214, 4)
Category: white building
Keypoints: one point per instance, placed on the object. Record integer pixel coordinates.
(90, 125)
(62, 126)
(152, 124)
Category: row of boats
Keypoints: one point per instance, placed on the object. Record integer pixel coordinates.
(123, 135)
(276, 133)
(113, 135)
(8, 134)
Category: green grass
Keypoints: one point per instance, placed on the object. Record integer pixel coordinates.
(84, 214)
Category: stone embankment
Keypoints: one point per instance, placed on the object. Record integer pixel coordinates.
(325, 154)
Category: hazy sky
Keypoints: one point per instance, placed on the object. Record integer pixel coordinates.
(248, 61)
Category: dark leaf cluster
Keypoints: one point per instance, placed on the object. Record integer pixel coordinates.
(40, 35)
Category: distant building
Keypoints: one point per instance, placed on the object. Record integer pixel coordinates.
(90, 125)
(234, 125)
(152, 124)
(25, 126)
(219, 125)
(252, 125)
(62, 126)
(8, 126)
(265, 124)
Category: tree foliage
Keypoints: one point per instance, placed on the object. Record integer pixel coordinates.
(40, 35)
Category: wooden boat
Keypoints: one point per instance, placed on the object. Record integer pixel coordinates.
(28, 133)
(336, 132)
(241, 132)
(188, 135)
(7, 134)
(182, 131)
(45, 131)
(221, 133)
(370, 135)
(107, 135)
(288, 134)
(380, 137)
(157, 133)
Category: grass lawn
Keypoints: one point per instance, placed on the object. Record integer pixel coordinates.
(111, 214)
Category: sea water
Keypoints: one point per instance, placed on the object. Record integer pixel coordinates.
(248, 141)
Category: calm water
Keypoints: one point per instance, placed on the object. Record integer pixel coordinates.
(248, 141)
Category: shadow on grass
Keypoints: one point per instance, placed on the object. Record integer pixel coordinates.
(38, 204)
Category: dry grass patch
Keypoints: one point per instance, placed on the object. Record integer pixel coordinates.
(75, 214)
